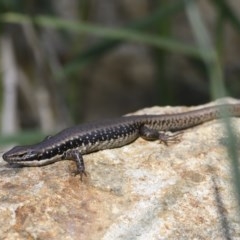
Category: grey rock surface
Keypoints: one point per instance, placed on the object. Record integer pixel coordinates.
(144, 190)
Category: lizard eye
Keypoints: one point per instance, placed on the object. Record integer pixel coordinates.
(31, 153)
(27, 154)
(21, 154)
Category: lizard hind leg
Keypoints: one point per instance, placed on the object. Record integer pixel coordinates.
(151, 134)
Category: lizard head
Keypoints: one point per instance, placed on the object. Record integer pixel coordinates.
(21, 154)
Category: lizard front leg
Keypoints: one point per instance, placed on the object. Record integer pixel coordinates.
(76, 156)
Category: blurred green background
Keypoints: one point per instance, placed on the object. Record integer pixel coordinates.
(64, 62)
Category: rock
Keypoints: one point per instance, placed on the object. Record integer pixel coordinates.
(144, 190)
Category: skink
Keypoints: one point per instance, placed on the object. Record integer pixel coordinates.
(72, 143)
